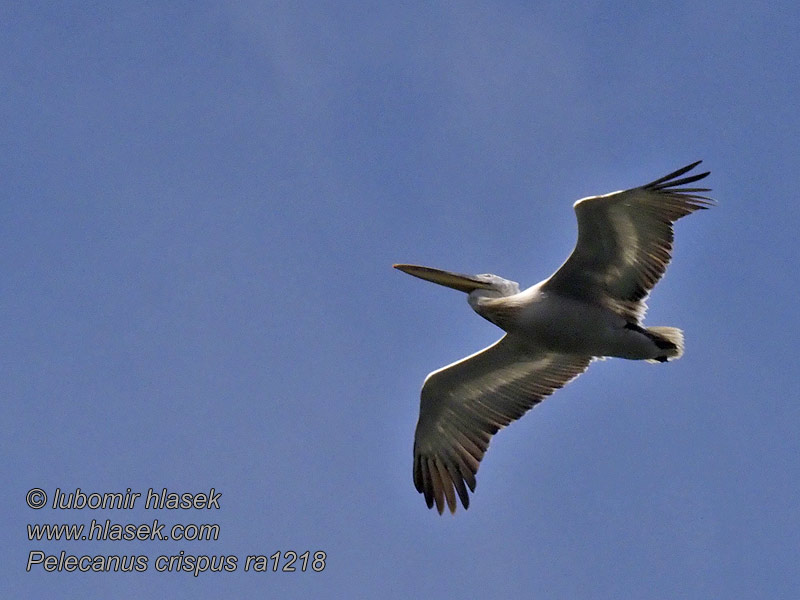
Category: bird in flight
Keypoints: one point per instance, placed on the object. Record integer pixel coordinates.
(591, 307)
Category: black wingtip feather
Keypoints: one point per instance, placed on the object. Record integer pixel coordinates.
(672, 181)
(675, 174)
(684, 181)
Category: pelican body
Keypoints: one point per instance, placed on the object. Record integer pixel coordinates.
(591, 307)
(560, 323)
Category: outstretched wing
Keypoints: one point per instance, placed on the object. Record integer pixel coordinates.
(465, 403)
(625, 242)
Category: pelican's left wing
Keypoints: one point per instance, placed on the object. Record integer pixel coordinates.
(465, 403)
(625, 242)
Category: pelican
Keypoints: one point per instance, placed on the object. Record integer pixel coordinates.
(591, 307)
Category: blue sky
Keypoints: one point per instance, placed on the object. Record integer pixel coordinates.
(201, 205)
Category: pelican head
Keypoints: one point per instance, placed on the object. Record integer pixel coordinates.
(477, 286)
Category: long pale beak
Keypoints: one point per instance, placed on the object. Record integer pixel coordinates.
(457, 281)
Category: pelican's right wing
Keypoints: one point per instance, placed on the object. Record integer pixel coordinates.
(465, 403)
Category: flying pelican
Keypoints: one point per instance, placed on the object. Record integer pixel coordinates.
(591, 307)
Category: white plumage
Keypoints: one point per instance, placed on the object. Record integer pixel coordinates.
(592, 306)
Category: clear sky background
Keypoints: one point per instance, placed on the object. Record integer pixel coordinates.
(200, 208)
